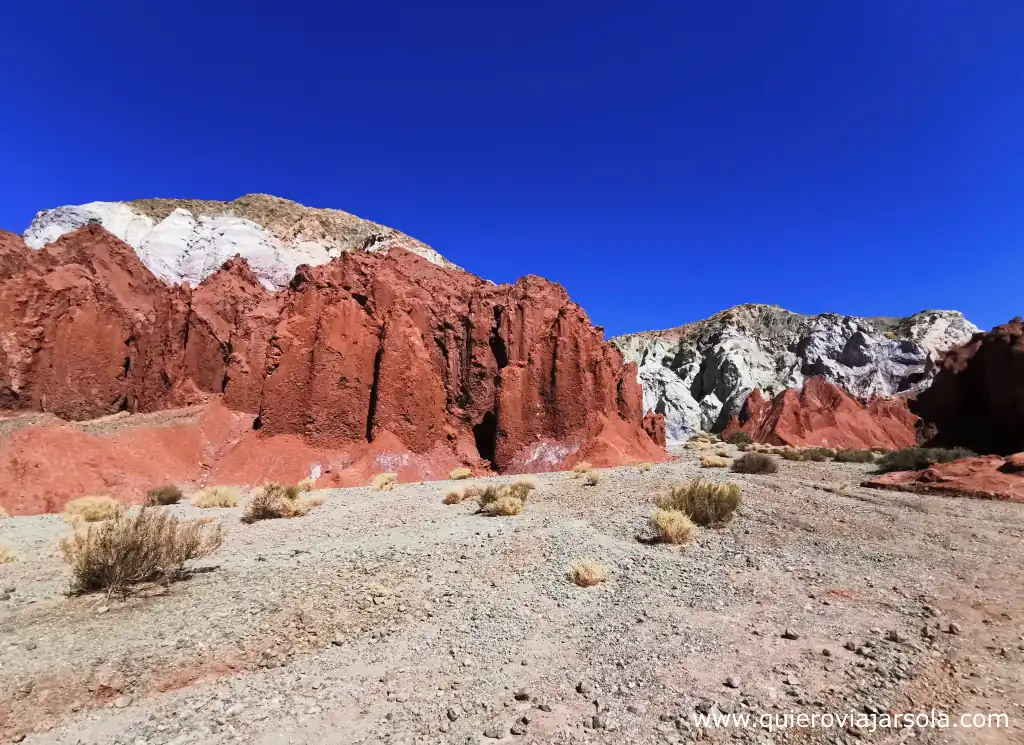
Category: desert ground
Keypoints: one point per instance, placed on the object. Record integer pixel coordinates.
(389, 617)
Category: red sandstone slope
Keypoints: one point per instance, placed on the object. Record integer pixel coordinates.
(987, 477)
(367, 348)
(824, 415)
(977, 397)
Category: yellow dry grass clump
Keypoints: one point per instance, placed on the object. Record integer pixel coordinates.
(163, 495)
(593, 478)
(704, 502)
(722, 453)
(278, 501)
(713, 461)
(455, 496)
(697, 445)
(216, 496)
(580, 469)
(507, 500)
(307, 484)
(383, 481)
(128, 549)
(460, 473)
(587, 573)
(791, 453)
(673, 526)
(7, 556)
(92, 509)
(645, 467)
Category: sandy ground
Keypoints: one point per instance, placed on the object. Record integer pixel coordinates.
(387, 617)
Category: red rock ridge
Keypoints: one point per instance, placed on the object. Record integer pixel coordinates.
(986, 477)
(365, 347)
(823, 414)
(977, 398)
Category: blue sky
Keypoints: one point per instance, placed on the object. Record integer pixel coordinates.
(663, 161)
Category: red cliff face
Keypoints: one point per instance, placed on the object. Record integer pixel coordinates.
(364, 346)
(977, 398)
(824, 415)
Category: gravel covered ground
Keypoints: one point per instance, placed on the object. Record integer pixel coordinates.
(387, 617)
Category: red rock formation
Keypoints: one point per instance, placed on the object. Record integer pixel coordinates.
(365, 347)
(654, 426)
(977, 398)
(987, 477)
(824, 415)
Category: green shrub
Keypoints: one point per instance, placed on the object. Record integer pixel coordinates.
(916, 459)
(751, 462)
(855, 456)
(739, 438)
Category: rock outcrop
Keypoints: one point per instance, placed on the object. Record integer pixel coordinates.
(822, 414)
(700, 374)
(986, 477)
(977, 398)
(368, 346)
(187, 240)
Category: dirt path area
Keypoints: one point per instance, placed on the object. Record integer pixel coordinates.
(387, 617)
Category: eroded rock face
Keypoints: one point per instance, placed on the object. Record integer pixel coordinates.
(977, 398)
(187, 240)
(822, 414)
(987, 477)
(365, 346)
(699, 375)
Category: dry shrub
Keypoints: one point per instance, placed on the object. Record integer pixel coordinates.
(722, 453)
(384, 481)
(506, 506)
(755, 462)
(216, 496)
(277, 501)
(645, 467)
(163, 495)
(581, 468)
(855, 456)
(521, 488)
(673, 526)
(92, 509)
(592, 479)
(791, 453)
(819, 455)
(697, 445)
(713, 461)
(503, 501)
(704, 502)
(587, 573)
(472, 492)
(128, 549)
(455, 496)
(306, 485)
(7, 556)
(460, 473)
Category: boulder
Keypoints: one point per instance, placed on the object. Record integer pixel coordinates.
(985, 477)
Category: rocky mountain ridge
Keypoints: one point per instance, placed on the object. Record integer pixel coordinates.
(699, 375)
(187, 240)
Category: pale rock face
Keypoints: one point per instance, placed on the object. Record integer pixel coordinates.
(188, 240)
(699, 375)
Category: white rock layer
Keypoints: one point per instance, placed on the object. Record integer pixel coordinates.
(195, 238)
(699, 375)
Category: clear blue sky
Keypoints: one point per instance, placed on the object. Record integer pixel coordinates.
(662, 160)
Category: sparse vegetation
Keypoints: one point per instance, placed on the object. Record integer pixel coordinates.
(216, 496)
(383, 481)
(460, 473)
(505, 501)
(792, 454)
(704, 502)
(505, 506)
(592, 479)
(278, 501)
(163, 495)
(697, 444)
(7, 556)
(587, 573)
(455, 496)
(521, 488)
(855, 456)
(819, 455)
(739, 438)
(306, 485)
(916, 459)
(673, 526)
(645, 467)
(92, 509)
(713, 461)
(128, 549)
(722, 453)
(581, 468)
(755, 462)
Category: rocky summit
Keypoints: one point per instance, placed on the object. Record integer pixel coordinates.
(699, 375)
(186, 240)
